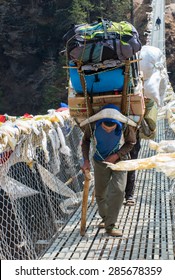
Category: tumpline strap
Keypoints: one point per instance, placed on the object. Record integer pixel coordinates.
(91, 52)
(105, 28)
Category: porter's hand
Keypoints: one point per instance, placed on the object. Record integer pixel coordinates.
(86, 165)
(112, 158)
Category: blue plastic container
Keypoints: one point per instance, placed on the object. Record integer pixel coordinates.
(108, 80)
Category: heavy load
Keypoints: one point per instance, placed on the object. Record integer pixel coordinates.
(110, 79)
(155, 76)
(100, 41)
(128, 97)
(103, 69)
(148, 124)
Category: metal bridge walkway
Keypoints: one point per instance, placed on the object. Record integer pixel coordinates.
(147, 226)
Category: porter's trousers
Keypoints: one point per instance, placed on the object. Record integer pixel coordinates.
(109, 192)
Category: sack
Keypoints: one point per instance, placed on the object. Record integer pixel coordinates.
(98, 82)
(151, 115)
(103, 40)
(148, 124)
(145, 132)
(152, 59)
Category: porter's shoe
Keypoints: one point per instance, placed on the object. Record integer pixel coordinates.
(114, 232)
(101, 224)
(130, 201)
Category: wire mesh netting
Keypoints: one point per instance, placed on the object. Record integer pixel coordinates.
(41, 186)
(41, 183)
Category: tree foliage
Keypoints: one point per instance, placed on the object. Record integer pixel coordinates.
(88, 10)
(30, 44)
(80, 11)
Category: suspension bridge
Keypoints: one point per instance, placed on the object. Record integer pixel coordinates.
(42, 184)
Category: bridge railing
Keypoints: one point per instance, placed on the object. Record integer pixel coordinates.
(41, 183)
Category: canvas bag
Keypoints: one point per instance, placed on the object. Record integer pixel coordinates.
(148, 124)
(103, 40)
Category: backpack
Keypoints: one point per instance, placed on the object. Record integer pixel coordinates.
(100, 41)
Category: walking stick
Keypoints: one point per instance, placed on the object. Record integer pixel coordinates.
(93, 196)
(85, 202)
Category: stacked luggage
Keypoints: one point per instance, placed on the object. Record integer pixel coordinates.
(103, 68)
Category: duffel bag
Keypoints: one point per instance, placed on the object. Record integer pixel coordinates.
(96, 42)
(97, 82)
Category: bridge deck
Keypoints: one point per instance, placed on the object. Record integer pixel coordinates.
(147, 226)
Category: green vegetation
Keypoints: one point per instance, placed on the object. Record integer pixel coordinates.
(32, 74)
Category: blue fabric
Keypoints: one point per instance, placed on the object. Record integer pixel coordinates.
(107, 142)
(110, 106)
(107, 80)
(109, 120)
(63, 105)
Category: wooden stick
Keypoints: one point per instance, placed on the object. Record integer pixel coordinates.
(125, 88)
(93, 197)
(86, 96)
(72, 67)
(70, 180)
(85, 202)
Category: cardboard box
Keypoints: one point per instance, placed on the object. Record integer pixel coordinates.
(78, 108)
